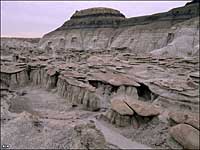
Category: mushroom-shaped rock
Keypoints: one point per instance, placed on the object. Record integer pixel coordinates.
(187, 118)
(118, 105)
(185, 135)
(142, 108)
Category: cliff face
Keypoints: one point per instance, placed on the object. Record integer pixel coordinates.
(103, 28)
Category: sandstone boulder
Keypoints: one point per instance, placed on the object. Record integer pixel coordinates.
(187, 118)
(142, 108)
(186, 135)
(120, 106)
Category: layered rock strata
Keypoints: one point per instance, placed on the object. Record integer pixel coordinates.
(100, 60)
(177, 86)
(168, 33)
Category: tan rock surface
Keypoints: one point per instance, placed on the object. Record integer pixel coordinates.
(185, 117)
(142, 108)
(119, 106)
(186, 135)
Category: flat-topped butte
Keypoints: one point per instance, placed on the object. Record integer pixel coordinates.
(110, 18)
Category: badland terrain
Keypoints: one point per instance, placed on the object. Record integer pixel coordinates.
(104, 81)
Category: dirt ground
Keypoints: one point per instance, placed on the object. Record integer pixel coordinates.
(44, 119)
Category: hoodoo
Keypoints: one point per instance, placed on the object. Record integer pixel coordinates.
(104, 81)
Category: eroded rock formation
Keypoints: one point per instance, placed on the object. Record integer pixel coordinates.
(139, 73)
(102, 28)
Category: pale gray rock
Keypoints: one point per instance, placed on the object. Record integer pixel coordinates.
(120, 120)
(86, 136)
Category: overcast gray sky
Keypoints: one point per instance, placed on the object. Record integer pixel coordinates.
(35, 18)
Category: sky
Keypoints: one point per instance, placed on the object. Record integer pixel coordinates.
(36, 18)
